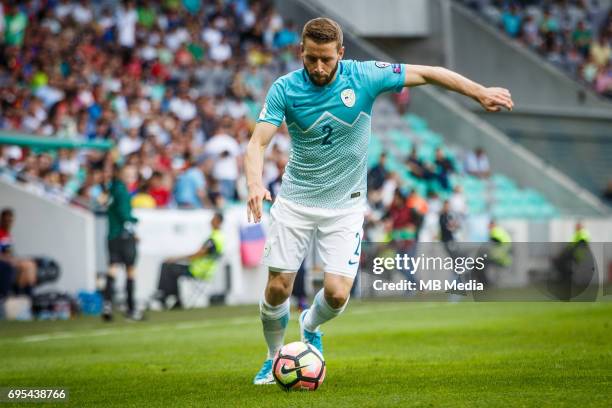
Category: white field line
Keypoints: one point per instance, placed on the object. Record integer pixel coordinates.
(198, 324)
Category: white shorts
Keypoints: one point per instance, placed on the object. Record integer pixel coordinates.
(337, 235)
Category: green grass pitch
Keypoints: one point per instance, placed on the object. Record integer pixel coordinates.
(378, 354)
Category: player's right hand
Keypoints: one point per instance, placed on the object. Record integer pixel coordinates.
(255, 203)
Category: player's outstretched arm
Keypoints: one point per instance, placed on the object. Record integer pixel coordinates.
(491, 99)
(253, 165)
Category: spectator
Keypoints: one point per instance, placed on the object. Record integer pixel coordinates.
(199, 265)
(603, 82)
(415, 164)
(190, 187)
(531, 32)
(221, 52)
(15, 23)
(550, 23)
(127, 17)
(601, 51)
(182, 106)
(274, 185)
(377, 174)
(24, 269)
(419, 207)
(142, 198)
(582, 37)
(402, 219)
(158, 190)
(448, 225)
(457, 204)
(131, 143)
(390, 186)
(443, 169)
(511, 21)
(477, 163)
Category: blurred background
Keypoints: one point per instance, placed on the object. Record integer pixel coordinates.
(168, 93)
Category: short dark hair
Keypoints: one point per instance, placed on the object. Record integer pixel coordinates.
(6, 211)
(323, 30)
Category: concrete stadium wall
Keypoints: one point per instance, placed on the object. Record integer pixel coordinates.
(429, 50)
(382, 18)
(47, 228)
(170, 233)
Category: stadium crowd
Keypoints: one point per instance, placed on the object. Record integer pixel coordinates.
(575, 35)
(172, 83)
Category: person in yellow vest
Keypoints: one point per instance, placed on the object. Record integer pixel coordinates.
(497, 252)
(199, 265)
(581, 235)
(574, 265)
(578, 249)
(502, 242)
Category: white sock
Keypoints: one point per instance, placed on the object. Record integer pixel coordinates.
(320, 312)
(274, 320)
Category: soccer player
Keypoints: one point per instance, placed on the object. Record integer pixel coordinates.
(327, 107)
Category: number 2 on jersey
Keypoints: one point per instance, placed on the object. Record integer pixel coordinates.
(328, 132)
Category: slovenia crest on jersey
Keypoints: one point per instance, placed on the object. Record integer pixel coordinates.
(348, 97)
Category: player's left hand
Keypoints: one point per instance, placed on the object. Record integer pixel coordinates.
(494, 99)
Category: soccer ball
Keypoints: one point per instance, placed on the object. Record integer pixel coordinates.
(298, 366)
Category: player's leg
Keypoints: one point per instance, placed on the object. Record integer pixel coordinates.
(129, 259)
(274, 314)
(107, 311)
(289, 236)
(274, 309)
(328, 303)
(132, 311)
(338, 245)
(26, 275)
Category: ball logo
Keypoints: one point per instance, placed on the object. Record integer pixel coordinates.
(348, 97)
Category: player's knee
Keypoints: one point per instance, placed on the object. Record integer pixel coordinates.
(278, 291)
(336, 298)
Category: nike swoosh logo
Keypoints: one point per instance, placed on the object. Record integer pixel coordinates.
(353, 263)
(285, 370)
(295, 105)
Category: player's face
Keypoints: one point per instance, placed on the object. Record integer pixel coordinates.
(321, 61)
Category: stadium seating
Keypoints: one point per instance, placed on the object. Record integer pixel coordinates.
(575, 36)
(499, 195)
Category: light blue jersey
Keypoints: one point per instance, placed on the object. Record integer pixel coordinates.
(330, 130)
